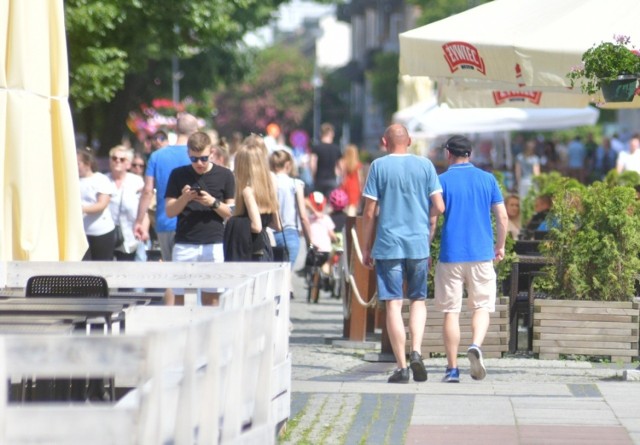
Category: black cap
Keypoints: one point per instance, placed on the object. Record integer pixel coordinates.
(459, 146)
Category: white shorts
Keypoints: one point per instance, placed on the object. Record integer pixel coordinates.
(197, 253)
(479, 278)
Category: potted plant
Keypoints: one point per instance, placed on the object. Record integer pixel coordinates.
(593, 253)
(610, 67)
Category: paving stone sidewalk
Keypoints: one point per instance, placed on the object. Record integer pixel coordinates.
(338, 398)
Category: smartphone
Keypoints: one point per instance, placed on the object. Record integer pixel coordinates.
(197, 188)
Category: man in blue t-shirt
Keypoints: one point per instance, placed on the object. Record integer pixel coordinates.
(467, 252)
(159, 168)
(404, 191)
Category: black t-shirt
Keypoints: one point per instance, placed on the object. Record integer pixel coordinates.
(328, 156)
(198, 224)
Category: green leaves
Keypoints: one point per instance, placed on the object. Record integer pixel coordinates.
(595, 243)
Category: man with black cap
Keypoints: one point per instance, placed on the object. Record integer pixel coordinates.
(467, 252)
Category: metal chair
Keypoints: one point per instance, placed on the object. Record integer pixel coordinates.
(522, 295)
(70, 286)
(67, 286)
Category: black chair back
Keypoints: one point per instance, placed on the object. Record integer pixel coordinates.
(67, 286)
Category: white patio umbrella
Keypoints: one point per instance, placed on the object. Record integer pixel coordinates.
(428, 120)
(479, 94)
(40, 211)
(522, 43)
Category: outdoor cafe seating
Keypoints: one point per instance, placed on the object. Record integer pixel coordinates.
(526, 267)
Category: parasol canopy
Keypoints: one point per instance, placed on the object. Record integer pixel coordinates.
(40, 212)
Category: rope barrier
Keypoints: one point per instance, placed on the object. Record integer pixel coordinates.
(351, 279)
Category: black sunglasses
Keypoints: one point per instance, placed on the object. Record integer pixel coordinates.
(136, 164)
(116, 159)
(195, 159)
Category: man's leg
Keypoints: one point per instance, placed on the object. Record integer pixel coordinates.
(396, 331)
(479, 325)
(417, 321)
(482, 295)
(166, 242)
(451, 335)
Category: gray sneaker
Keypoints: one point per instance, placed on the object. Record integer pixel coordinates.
(417, 367)
(477, 371)
(399, 376)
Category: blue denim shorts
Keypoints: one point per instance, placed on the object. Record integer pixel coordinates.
(390, 275)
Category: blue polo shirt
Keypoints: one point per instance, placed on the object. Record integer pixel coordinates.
(402, 184)
(467, 233)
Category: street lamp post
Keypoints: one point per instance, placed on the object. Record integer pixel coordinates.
(317, 90)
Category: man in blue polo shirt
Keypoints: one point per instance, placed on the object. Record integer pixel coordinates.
(402, 193)
(467, 252)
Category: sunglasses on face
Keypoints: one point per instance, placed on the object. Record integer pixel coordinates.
(137, 165)
(118, 159)
(202, 159)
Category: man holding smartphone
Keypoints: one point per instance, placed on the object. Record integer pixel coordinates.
(200, 195)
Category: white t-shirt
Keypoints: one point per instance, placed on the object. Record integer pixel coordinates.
(629, 162)
(96, 224)
(129, 195)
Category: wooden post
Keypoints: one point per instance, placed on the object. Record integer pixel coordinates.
(356, 325)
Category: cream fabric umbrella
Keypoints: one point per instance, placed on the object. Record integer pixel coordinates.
(40, 203)
(480, 94)
(429, 120)
(524, 43)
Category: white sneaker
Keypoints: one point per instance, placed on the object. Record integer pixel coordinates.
(477, 371)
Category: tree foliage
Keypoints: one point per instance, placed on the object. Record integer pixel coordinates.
(277, 90)
(120, 52)
(384, 80)
(434, 10)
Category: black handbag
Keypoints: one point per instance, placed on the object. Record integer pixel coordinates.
(118, 236)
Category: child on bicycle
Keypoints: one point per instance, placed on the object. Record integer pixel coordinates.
(322, 228)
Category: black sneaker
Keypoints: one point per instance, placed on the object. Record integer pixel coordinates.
(417, 367)
(399, 376)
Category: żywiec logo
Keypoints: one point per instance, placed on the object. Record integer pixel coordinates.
(501, 97)
(464, 56)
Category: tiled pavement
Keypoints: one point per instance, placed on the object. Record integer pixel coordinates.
(338, 398)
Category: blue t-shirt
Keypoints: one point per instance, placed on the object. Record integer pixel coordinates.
(160, 165)
(402, 185)
(467, 234)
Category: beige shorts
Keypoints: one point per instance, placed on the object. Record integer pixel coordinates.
(479, 278)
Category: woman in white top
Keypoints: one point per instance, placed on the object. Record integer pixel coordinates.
(95, 194)
(512, 203)
(526, 168)
(124, 202)
(292, 205)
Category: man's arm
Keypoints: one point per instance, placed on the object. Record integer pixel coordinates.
(141, 232)
(435, 210)
(368, 224)
(500, 213)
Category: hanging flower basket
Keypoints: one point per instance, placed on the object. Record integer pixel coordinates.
(610, 67)
(621, 89)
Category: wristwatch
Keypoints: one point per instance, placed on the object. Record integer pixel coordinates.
(215, 204)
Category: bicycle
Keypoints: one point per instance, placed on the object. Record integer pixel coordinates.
(314, 275)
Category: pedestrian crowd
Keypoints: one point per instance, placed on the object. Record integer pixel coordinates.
(200, 198)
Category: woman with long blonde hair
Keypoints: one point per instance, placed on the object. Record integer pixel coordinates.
(352, 178)
(256, 205)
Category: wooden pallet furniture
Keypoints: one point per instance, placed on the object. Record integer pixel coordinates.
(496, 342)
(591, 328)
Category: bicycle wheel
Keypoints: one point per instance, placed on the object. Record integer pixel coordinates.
(314, 285)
